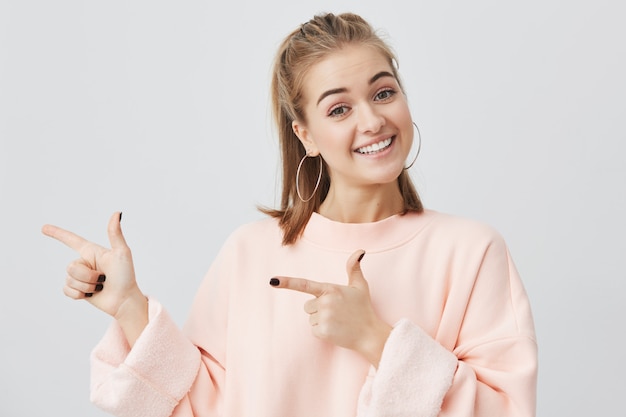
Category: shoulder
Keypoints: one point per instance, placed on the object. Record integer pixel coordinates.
(250, 240)
(461, 230)
(263, 231)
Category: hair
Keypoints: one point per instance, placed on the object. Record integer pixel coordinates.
(300, 50)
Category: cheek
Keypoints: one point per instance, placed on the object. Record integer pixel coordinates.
(406, 122)
(334, 140)
(403, 112)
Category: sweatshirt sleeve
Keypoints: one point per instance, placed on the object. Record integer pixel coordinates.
(491, 370)
(159, 376)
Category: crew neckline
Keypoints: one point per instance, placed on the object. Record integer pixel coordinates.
(375, 236)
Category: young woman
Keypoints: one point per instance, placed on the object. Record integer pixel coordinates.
(374, 306)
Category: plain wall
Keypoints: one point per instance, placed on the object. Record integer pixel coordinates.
(160, 109)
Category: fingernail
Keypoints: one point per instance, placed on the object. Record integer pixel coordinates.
(274, 282)
(120, 216)
(102, 278)
(99, 287)
(361, 257)
(88, 294)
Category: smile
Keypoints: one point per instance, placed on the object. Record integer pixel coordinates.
(375, 147)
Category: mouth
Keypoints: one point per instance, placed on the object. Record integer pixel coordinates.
(375, 147)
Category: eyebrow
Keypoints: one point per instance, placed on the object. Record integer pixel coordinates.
(343, 89)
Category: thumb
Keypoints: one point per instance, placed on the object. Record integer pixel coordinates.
(353, 267)
(116, 238)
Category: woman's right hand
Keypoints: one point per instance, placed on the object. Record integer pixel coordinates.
(105, 277)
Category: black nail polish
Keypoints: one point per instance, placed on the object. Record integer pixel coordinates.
(102, 278)
(120, 216)
(99, 287)
(274, 282)
(361, 257)
(88, 294)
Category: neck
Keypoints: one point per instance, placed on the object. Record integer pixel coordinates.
(362, 205)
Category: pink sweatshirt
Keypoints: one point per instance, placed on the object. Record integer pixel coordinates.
(463, 342)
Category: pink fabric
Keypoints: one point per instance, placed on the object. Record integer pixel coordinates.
(462, 344)
(142, 382)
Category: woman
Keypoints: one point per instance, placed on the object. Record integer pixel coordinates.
(407, 312)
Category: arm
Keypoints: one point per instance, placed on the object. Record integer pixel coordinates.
(490, 371)
(164, 374)
(148, 379)
(144, 365)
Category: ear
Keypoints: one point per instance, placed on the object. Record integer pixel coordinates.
(305, 137)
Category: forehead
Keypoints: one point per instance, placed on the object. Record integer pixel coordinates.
(348, 68)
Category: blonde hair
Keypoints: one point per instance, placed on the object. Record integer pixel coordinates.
(301, 49)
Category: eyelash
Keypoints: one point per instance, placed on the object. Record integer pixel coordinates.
(333, 113)
(390, 91)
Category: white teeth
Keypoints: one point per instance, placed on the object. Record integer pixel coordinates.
(376, 147)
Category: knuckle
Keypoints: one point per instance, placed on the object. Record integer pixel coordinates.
(71, 293)
(124, 250)
(71, 267)
(306, 285)
(323, 302)
(78, 285)
(310, 306)
(332, 291)
(323, 330)
(328, 301)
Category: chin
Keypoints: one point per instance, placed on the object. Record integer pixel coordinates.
(388, 177)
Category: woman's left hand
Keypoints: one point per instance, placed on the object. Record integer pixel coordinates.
(343, 314)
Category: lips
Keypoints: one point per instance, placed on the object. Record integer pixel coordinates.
(375, 147)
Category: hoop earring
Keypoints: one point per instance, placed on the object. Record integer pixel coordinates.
(319, 178)
(419, 147)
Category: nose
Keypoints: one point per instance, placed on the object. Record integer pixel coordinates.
(369, 119)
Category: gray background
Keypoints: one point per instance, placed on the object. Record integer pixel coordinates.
(160, 109)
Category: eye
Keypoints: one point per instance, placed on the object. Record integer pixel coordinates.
(338, 110)
(385, 94)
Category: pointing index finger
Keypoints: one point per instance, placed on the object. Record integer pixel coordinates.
(299, 284)
(66, 237)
